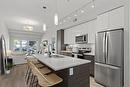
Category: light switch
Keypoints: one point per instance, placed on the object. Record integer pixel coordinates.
(71, 71)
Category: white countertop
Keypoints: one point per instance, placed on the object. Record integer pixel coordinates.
(60, 63)
(91, 54)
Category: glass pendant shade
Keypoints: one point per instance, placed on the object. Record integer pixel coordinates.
(56, 19)
(44, 27)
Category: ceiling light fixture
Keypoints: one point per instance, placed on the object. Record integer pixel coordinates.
(44, 27)
(75, 15)
(56, 19)
(82, 11)
(28, 28)
(93, 5)
(64, 21)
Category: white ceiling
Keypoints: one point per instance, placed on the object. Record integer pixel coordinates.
(17, 13)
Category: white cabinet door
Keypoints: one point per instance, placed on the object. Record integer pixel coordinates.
(102, 22)
(91, 31)
(69, 36)
(116, 18)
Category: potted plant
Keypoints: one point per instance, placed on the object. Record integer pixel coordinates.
(8, 67)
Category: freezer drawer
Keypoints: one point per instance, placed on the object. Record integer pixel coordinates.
(109, 76)
(101, 74)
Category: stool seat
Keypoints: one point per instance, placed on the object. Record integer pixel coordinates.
(39, 65)
(53, 79)
(45, 70)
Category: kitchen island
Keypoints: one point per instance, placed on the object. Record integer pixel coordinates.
(74, 72)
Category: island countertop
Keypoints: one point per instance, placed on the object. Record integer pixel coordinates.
(60, 63)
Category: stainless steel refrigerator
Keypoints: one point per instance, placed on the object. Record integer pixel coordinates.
(3, 55)
(109, 60)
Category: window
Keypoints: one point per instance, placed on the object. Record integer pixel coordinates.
(25, 46)
(17, 45)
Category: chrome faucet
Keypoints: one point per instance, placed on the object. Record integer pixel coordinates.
(49, 54)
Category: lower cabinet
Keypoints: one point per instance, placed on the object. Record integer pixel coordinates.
(91, 58)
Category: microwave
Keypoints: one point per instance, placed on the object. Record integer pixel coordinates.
(80, 39)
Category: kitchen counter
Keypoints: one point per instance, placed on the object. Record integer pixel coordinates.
(66, 51)
(60, 63)
(91, 54)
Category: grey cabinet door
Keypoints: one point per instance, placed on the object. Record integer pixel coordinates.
(100, 47)
(115, 48)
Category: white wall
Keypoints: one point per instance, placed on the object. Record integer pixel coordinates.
(4, 31)
(128, 15)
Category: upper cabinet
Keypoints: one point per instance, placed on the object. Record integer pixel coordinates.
(102, 22)
(116, 18)
(111, 20)
(85, 28)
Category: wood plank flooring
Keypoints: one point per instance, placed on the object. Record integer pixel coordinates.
(16, 78)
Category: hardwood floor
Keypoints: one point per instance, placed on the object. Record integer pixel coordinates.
(93, 83)
(16, 78)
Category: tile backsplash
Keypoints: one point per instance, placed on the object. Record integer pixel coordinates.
(88, 45)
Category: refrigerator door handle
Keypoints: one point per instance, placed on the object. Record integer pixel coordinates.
(107, 38)
(104, 46)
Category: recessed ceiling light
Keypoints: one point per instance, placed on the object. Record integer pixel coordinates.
(60, 22)
(93, 6)
(82, 11)
(64, 21)
(75, 15)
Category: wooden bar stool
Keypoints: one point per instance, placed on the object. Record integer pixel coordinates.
(33, 80)
(46, 80)
(28, 74)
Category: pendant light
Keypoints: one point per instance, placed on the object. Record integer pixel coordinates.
(56, 19)
(44, 27)
(93, 5)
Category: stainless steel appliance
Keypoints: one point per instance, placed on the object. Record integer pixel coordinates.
(81, 39)
(110, 58)
(3, 56)
(79, 52)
